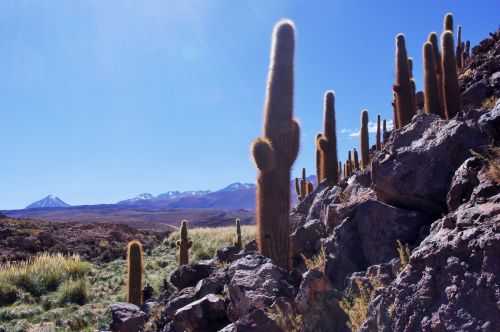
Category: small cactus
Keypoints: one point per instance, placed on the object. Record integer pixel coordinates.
(450, 76)
(328, 141)
(379, 133)
(402, 87)
(238, 244)
(384, 130)
(356, 159)
(395, 119)
(275, 152)
(310, 187)
(431, 92)
(135, 270)
(297, 189)
(184, 244)
(460, 48)
(364, 143)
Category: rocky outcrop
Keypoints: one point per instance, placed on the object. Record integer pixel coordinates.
(440, 146)
(207, 314)
(452, 281)
(127, 317)
(188, 275)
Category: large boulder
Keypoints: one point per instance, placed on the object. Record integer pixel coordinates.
(452, 281)
(207, 314)
(306, 239)
(463, 183)
(368, 235)
(415, 167)
(188, 275)
(255, 282)
(490, 123)
(126, 317)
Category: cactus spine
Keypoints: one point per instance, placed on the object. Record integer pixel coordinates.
(356, 159)
(433, 39)
(184, 244)
(451, 90)
(402, 87)
(431, 94)
(378, 141)
(364, 144)
(275, 152)
(384, 130)
(319, 158)
(238, 244)
(460, 48)
(328, 141)
(135, 272)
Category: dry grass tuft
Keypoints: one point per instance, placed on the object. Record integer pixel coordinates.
(317, 262)
(404, 253)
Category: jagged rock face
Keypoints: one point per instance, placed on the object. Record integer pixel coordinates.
(207, 314)
(127, 317)
(452, 282)
(368, 235)
(255, 282)
(188, 275)
(415, 168)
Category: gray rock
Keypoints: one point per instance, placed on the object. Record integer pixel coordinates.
(440, 145)
(463, 183)
(127, 317)
(255, 282)
(204, 315)
(490, 123)
(367, 236)
(255, 321)
(188, 275)
(179, 300)
(306, 240)
(227, 254)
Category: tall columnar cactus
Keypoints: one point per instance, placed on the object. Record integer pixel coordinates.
(378, 138)
(431, 92)
(364, 144)
(238, 244)
(413, 98)
(466, 52)
(298, 190)
(395, 119)
(356, 159)
(450, 76)
(340, 170)
(319, 157)
(310, 187)
(351, 164)
(135, 270)
(303, 182)
(433, 39)
(448, 22)
(328, 141)
(184, 244)
(410, 67)
(460, 48)
(275, 152)
(384, 130)
(402, 87)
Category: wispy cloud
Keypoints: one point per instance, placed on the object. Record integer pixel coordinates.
(372, 129)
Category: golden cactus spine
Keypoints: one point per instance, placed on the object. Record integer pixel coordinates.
(431, 92)
(328, 141)
(379, 133)
(364, 143)
(275, 152)
(433, 39)
(238, 244)
(184, 244)
(135, 270)
(319, 175)
(402, 87)
(451, 90)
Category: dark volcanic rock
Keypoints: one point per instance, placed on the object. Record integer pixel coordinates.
(255, 321)
(367, 236)
(255, 282)
(440, 146)
(127, 317)
(207, 314)
(463, 183)
(490, 124)
(306, 240)
(189, 275)
(452, 282)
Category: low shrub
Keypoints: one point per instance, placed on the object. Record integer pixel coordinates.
(73, 291)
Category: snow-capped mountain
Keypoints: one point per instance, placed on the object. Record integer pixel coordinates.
(50, 201)
(238, 186)
(139, 198)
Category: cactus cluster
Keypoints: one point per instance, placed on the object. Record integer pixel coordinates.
(184, 244)
(135, 268)
(302, 186)
(275, 152)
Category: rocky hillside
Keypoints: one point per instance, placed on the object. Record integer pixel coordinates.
(411, 243)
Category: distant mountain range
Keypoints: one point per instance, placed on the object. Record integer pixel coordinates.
(50, 201)
(233, 197)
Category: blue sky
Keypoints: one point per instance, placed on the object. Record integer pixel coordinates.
(102, 100)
